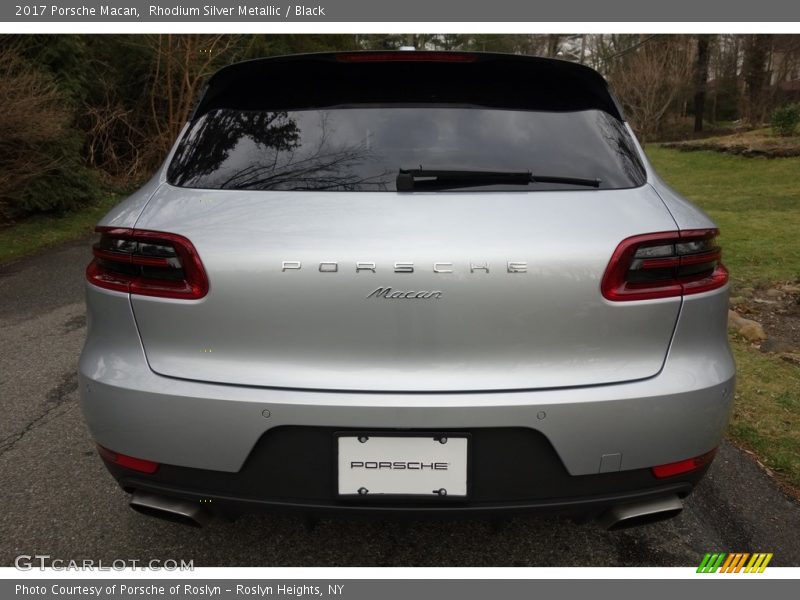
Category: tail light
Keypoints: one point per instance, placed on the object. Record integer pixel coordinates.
(662, 265)
(147, 263)
(129, 462)
(684, 466)
(423, 56)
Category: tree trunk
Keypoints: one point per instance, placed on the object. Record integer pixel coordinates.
(700, 81)
(583, 49)
(553, 43)
(755, 76)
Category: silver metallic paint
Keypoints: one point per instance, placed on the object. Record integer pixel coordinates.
(302, 328)
(679, 409)
(680, 412)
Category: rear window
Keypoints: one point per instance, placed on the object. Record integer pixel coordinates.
(361, 148)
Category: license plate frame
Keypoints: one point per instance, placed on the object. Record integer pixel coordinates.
(461, 449)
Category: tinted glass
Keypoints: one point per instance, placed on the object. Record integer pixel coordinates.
(362, 148)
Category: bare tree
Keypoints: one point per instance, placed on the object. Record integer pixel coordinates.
(700, 80)
(182, 64)
(553, 43)
(649, 79)
(114, 138)
(756, 53)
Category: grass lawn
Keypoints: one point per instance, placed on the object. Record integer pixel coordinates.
(33, 234)
(766, 416)
(756, 203)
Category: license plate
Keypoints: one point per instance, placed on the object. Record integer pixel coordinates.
(433, 465)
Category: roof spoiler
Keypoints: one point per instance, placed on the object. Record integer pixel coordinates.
(320, 80)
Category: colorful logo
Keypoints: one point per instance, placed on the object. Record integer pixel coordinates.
(735, 562)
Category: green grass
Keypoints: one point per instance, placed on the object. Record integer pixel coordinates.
(34, 234)
(766, 417)
(756, 203)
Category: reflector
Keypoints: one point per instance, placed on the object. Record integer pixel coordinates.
(129, 462)
(684, 466)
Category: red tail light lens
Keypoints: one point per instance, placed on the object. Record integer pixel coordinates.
(147, 263)
(405, 56)
(129, 462)
(684, 466)
(662, 265)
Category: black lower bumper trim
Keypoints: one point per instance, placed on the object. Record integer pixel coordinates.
(512, 469)
(584, 507)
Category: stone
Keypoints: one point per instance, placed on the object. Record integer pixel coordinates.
(752, 331)
(734, 320)
(747, 328)
(777, 345)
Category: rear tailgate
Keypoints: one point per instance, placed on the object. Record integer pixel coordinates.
(266, 322)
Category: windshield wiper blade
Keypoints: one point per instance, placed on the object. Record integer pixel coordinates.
(420, 179)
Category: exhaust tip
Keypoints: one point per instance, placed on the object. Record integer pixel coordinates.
(174, 510)
(635, 514)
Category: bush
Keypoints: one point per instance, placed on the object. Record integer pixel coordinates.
(40, 165)
(786, 119)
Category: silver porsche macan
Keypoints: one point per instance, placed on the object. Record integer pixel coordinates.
(407, 282)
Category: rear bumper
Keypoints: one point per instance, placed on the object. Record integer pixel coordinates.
(512, 470)
(600, 441)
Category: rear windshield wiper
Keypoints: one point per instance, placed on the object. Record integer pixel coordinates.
(421, 179)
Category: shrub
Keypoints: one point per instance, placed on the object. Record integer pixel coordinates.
(786, 119)
(40, 165)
